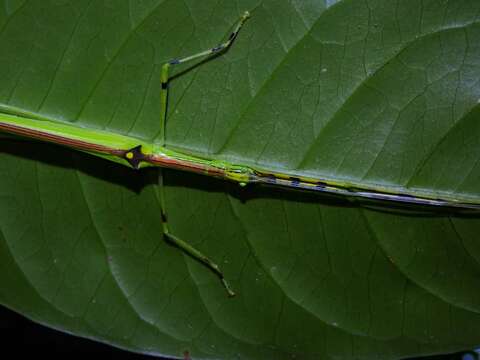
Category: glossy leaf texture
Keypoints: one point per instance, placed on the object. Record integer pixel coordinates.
(382, 92)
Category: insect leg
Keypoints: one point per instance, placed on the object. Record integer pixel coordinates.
(190, 250)
(187, 248)
(164, 75)
(217, 48)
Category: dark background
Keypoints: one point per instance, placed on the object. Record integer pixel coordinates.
(23, 337)
(20, 336)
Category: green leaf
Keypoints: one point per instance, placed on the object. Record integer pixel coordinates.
(382, 93)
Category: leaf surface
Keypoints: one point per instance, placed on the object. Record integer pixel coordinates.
(379, 93)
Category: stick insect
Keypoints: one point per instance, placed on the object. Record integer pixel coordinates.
(137, 154)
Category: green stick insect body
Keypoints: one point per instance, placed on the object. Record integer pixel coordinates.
(137, 154)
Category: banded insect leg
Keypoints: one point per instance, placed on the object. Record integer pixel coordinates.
(184, 246)
(165, 72)
(164, 78)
